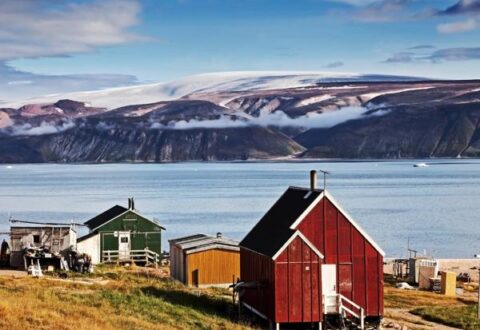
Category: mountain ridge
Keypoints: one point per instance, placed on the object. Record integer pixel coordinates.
(220, 121)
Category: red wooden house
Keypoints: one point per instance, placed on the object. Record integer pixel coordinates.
(308, 261)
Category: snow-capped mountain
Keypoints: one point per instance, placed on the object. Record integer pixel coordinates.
(248, 115)
(205, 83)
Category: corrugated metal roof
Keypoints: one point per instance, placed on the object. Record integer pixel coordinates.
(201, 242)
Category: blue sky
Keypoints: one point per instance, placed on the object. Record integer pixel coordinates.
(50, 46)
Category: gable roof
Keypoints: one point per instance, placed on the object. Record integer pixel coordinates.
(186, 238)
(201, 242)
(106, 216)
(278, 226)
(87, 236)
(273, 230)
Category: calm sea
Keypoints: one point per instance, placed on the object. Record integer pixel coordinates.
(435, 208)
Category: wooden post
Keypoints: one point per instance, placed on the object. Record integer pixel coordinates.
(478, 312)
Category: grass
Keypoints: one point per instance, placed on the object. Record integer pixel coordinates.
(136, 298)
(456, 312)
(462, 317)
(130, 300)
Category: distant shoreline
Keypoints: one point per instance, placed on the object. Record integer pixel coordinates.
(433, 161)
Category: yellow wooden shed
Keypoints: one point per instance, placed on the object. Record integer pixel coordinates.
(203, 260)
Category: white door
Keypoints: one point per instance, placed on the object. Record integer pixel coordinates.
(329, 288)
(124, 245)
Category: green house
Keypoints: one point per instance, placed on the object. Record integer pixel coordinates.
(121, 234)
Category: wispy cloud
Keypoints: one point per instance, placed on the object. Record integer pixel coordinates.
(355, 2)
(437, 56)
(49, 28)
(16, 84)
(43, 128)
(335, 64)
(456, 27)
(462, 7)
(381, 11)
(455, 54)
(422, 47)
(277, 119)
(40, 28)
(401, 57)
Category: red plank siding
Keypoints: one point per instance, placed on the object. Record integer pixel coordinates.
(372, 280)
(312, 227)
(297, 287)
(293, 290)
(306, 283)
(331, 233)
(256, 267)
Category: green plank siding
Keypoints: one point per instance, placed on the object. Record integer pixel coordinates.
(143, 233)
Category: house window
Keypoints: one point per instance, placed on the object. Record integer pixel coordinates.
(124, 240)
(36, 238)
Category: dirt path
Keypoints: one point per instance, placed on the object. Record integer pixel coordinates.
(13, 273)
(402, 317)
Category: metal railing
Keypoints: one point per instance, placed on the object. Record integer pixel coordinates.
(145, 256)
(337, 303)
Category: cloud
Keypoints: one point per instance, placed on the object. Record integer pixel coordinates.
(355, 2)
(456, 27)
(43, 128)
(277, 119)
(455, 54)
(401, 57)
(45, 28)
(382, 11)
(462, 7)
(421, 47)
(437, 56)
(50, 28)
(333, 65)
(16, 84)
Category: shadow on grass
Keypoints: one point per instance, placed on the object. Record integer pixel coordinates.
(201, 302)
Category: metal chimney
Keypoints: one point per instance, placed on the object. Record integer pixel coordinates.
(132, 204)
(313, 180)
(129, 203)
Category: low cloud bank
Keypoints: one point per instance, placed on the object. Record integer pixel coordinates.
(277, 119)
(43, 128)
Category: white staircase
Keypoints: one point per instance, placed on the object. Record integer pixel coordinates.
(346, 309)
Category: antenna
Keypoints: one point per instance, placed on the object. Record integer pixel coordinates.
(325, 173)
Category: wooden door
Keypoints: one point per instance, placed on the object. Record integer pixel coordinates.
(329, 288)
(124, 245)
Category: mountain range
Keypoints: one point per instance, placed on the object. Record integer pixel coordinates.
(248, 115)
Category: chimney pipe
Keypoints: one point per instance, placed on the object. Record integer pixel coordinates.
(219, 235)
(129, 203)
(132, 204)
(313, 180)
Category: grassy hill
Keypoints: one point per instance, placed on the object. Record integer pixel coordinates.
(139, 298)
(113, 298)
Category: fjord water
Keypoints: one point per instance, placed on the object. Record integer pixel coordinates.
(436, 208)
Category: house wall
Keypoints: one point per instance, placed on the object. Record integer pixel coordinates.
(59, 239)
(261, 269)
(177, 262)
(212, 267)
(91, 246)
(359, 264)
(298, 287)
(143, 233)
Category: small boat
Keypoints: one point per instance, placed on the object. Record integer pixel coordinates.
(421, 165)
